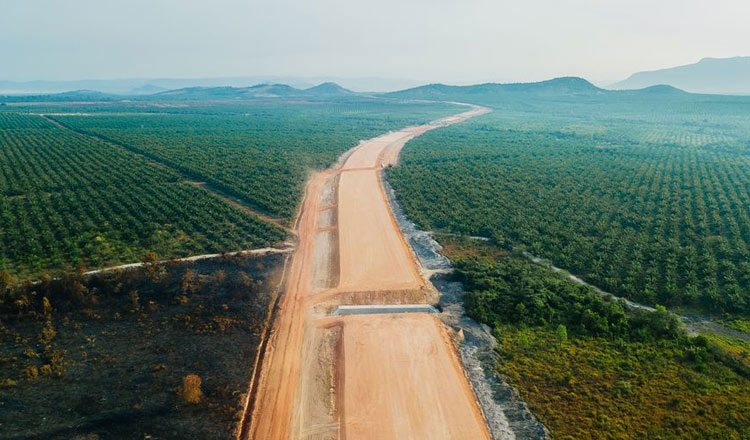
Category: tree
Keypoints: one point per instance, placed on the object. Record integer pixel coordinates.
(188, 282)
(151, 264)
(190, 391)
(561, 333)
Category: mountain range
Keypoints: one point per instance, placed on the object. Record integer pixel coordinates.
(565, 89)
(727, 76)
(562, 89)
(259, 91)
(147, 86)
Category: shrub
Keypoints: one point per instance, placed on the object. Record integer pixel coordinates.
(31, 372)
(46, 307)
(48, 334)
(190, 391)
(134, 301)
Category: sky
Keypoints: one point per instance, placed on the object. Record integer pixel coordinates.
(459, 42)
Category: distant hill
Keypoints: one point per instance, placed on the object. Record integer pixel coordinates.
(571, 90)
(227, 93)
(140, 86)
(270, 91)
(72, 96)
(260, 91)
(566, 87)
(322, 91)
(146, 89)
(328, 89)
(730, 76)
(660, 89)
(116, 86)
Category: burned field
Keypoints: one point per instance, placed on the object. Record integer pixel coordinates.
(163, 351)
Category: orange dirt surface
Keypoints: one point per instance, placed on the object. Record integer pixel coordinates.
(369, 376)
(368, 153)
(402, 380)
(476, 110)
(372, 253)
(272, 414)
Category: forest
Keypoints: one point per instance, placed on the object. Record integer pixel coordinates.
(647, 199)
(588, 364)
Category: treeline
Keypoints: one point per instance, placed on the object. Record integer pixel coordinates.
(656, 222)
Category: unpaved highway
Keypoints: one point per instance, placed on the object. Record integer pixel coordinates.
(390, 376)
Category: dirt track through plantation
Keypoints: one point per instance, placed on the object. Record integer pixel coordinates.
(389, 376)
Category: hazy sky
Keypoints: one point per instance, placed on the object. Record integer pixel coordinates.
(428, 40)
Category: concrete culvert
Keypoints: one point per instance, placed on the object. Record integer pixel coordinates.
(383, 308)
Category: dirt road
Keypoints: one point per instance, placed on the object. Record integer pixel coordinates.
(392, 376)
(371, 249)
(402, 380)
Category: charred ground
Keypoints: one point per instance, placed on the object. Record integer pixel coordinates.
(112, 355)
